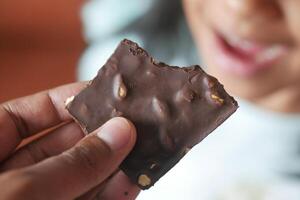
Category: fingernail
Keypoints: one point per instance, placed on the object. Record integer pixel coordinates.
(116, 133)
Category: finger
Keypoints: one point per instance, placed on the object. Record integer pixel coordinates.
(119, 187)
(92, 193)
(116, 188)
(79, 169)
(26, 116)
(52, 144)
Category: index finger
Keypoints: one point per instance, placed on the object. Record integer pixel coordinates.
(23, 117)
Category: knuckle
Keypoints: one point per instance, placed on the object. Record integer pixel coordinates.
(90, 156)
(14, 115)
(84, 157)
(35, 152)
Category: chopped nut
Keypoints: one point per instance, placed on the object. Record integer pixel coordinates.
(185, 94)
(144, 180)
(69, 100)
(153, 165)
(160, 108)
(217, 98)
(120, 89)
(186, 150)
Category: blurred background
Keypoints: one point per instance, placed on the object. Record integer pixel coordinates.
(45, 43)
(253, 156)
(40, 45)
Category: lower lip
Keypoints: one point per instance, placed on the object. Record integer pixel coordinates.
(232, 62)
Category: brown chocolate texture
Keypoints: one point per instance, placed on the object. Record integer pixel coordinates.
(172, 108)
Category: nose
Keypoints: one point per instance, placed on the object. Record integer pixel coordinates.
(246, 8)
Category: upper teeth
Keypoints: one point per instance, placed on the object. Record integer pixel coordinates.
(241, 43)
(270, 53)
(266, 53)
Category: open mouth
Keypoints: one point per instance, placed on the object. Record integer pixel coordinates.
(245, 57)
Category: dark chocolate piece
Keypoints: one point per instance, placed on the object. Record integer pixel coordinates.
(172, 108)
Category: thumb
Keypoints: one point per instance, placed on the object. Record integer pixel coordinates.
(77, 170)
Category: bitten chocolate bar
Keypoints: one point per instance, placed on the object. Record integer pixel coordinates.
(172, 108)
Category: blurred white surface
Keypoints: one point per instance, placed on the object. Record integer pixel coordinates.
(102, 21)
(103, 17)
(247, 158)
(244, 159)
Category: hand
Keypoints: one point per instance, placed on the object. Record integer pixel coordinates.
(62, 164)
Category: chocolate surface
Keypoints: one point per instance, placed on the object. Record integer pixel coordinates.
(172, 108)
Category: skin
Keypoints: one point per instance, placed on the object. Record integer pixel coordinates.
(63, 163)
(267, 22)
(57, 165)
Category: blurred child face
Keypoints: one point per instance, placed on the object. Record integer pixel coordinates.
(252, 46)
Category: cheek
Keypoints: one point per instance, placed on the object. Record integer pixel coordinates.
(195, 15)
(291, 10)
(201, 13)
